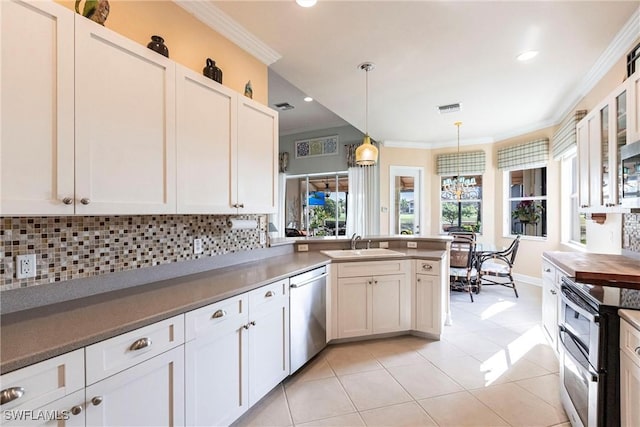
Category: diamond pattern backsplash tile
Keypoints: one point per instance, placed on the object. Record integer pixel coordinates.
(82, 246)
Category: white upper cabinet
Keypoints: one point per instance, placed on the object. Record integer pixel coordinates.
(125, 117)
(633, 123)
(206, 129)
(256, 161)
(36, 108)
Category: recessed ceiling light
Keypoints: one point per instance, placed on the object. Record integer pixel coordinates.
(308, 99)
(306, 3)
(525, 56)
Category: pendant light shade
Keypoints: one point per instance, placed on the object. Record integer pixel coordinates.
(366, 153)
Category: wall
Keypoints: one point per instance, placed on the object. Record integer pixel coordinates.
(346, 135)
(76, 247)
(190, 42)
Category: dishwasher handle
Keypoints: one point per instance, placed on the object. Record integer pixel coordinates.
(306, 282)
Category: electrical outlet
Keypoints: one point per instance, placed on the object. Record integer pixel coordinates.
(197, 246)
(384, 245)
(263, 237)
(25, 266)
(303, 248)
(412, 245)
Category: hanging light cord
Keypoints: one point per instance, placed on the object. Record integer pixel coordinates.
(366, 102)
(458, 158)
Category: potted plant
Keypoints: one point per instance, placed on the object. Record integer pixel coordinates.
(528, 211)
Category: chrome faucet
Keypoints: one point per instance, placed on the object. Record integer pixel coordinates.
(354, 240)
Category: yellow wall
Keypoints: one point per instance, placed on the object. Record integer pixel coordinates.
(190, 42)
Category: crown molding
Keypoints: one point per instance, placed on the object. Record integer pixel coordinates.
(430, 145)
(222, 23)
(617, 49)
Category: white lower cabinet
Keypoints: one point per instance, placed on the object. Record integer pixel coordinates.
(551, 282)
(38, 394)
(237, 350)
(148, 394)
(629, 375)
(428, 298)
(373, 298)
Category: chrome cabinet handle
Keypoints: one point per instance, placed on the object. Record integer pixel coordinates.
(553, 291)
(637, 351)
(547, 270)
(245, 326)
(270, 294)
(67, 200)
(427, 267)
(10, 394)
(252, 323)
(76, 410)
(140, 344)
(96, 400)
(218, 314)
(85, 201)
(241, 205)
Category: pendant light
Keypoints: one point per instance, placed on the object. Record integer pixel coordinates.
(366, 153)
(459, 187)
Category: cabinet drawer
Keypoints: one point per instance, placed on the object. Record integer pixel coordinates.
(378, 268)
(548, 272)
(268, 294)
(222, 315)
(118, 353)
(431, 268)
(630, 341)
(44, 382)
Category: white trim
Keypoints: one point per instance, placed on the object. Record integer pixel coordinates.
(530, 280)
(430, 145)
(617, 49)
(417, 172)
(222, 23)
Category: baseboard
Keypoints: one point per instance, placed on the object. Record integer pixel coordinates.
(530, 280)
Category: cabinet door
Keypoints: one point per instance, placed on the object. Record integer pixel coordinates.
(256, 158)
(65, 412)
(550, 303)
(633, 123)
(354, 307)
(629, 392)
(582, 136)
(594, 126)
(268, 340)
(36, 108)
(148, 394)
(428, 295)
(216, 378)
(206, 130)
(391, 304)
(125, 125)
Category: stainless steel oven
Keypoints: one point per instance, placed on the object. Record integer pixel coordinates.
(580, 372)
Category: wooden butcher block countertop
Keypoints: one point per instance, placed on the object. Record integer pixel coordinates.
(616, 270)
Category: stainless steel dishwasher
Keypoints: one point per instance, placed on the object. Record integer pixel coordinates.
(308, 316)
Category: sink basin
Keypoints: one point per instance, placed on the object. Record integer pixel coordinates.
(361, 253)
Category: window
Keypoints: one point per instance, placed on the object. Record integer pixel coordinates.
(527, 201)
(633, 60)
(574, 223)
(465, 213)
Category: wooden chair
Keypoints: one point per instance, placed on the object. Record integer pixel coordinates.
(495, 268)
(462, 269)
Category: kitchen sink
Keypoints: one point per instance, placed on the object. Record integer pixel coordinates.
(362, 253)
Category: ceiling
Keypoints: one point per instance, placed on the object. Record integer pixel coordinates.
(430, 53)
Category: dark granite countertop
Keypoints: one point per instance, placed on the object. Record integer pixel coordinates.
(33, 335)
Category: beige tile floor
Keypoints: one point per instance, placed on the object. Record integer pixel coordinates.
(492, 367)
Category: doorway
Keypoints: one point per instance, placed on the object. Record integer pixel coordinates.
(405, 195)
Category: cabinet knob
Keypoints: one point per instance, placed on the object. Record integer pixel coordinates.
(76, 410)
(245, 326)
(241, 205)
(270, 294)
(10, 394)
(553, 291)
(140, 344)
(637, 351)
(418, 280)
(85, 201)
(96, 400)
(375, 282)
(67, 200)
(218, 314)
(252, 323)
(547, 270)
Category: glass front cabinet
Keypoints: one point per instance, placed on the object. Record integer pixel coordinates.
(601, 135)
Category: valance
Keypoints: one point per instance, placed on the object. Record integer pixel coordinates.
(471, 163)
(524, 156)
(565, 137)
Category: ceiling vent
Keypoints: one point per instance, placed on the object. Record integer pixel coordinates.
(451, 108)
(284, 106)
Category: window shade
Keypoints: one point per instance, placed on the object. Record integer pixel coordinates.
(524, 155)
(471, 163)
(565, 137)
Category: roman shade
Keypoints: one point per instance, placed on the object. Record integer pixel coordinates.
(524, 156)
(565, 137)
(471, 163)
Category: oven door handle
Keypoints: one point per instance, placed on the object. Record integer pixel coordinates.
(576, 341)
(594, 376)
(566, 298)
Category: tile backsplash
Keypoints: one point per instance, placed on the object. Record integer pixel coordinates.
(74, 247)
(631, 232)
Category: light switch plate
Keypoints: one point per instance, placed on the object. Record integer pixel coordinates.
(412, 245)
(303, 248)
(197, 246)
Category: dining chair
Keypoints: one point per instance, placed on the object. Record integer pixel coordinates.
(495, 268)
(463, 274)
